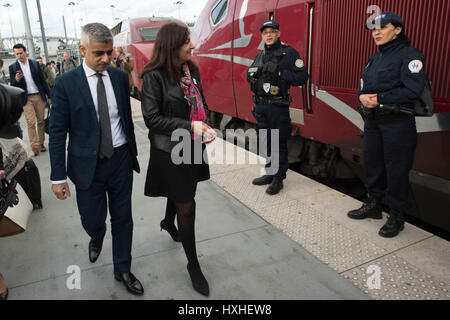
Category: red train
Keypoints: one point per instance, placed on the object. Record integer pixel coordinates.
(136, 36)
(331, 38)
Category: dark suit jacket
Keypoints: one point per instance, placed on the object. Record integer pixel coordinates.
(38, 78)
(73, 112)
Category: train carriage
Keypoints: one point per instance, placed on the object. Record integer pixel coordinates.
(331, 38)
(136, 36)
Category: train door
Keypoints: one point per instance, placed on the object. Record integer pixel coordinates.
(249, 15)
(297, 21)
(218, 21)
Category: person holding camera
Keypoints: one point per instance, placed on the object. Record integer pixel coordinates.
(28, 75)
(124, 63)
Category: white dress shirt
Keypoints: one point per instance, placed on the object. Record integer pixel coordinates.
(31, 86)
(118, 136)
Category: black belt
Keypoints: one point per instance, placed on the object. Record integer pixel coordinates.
(124, 146)
(33, 94)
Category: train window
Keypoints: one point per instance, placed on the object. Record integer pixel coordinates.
(219, 12)
(149, 34)
(135, 38)
(125, 26)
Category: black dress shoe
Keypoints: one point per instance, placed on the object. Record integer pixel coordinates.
(198, 280)
(371, 209)
(266, 179)
(275, 187)
(132, 284)
(394, 224)
(94, 250)
(170, 228)
(4, 295)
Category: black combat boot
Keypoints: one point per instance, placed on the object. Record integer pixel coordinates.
(266, 179)
(394, 224)
(371, 209)
(275, 186)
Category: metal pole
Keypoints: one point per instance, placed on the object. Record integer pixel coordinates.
(112, 12)
(28, 35)
(7, 5)
(44, 39)
(65, 31)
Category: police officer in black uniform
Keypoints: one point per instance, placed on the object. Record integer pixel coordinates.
(392, 80)
(272, 73)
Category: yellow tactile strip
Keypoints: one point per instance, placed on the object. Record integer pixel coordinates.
(399, 280)
(344, 250)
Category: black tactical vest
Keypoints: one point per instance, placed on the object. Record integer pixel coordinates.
(265, 80)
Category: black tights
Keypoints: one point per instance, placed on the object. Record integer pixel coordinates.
(185, 213)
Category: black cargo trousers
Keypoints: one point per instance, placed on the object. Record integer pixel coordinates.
(275, 117)
(389, 148)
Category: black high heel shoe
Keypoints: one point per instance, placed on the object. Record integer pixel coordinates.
(170, 228)
(198, 280)
(4, 294)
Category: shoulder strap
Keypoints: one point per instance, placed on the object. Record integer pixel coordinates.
(279, 54)
(404, 53)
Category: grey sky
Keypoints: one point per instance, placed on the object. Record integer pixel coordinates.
(86, 11)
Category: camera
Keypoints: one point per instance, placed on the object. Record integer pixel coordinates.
(11, 108)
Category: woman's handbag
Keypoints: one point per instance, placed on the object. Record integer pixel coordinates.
(14, 219)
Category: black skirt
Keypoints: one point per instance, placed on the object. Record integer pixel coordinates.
(178, 182)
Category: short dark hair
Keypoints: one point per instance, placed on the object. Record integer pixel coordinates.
(1, 63)
(19, 46)
(39, 58)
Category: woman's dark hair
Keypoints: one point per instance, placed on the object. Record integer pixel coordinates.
(1, 63)
(402, 37)
(170, 38)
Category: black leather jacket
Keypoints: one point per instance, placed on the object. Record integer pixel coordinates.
(165, 109)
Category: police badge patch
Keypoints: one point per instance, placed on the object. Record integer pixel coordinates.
(266, 87)
(415, 66)
(299, 63)
(274, 90)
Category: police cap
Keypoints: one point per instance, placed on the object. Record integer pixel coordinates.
(269, 24)
(383, 19)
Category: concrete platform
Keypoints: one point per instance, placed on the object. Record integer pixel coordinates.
(295, 245)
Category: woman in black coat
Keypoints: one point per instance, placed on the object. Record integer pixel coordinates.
(173, 105)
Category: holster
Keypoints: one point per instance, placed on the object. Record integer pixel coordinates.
(366, 113)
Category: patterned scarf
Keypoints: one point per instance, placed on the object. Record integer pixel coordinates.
(193, 96)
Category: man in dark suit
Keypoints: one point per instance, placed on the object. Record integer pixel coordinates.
(92, 104)
(27, 74)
